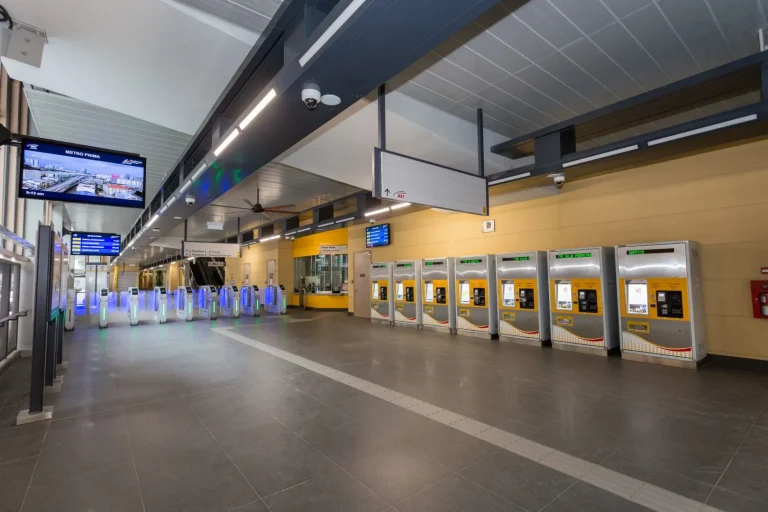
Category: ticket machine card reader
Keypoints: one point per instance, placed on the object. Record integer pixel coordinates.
(133, 305)
(669, 304)
(588, 301)
(103, 308)
(527, 299)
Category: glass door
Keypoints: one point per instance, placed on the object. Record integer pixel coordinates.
(5, 293)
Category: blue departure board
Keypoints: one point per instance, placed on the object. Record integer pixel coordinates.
(377, 236)
(95, 244)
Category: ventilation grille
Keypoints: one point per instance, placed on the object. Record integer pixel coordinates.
(197, 155)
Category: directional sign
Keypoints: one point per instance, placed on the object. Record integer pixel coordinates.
(209, 250)
(402, 178)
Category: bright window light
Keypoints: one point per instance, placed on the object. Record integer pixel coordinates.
(226, 142)
(330, 31)
(399, 205)
(376, 212)
(257, 109)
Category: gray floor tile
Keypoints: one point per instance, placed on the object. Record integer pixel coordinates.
(583, 496)
(394, 472)
(732, 502)
(216, 402)
(233, 429)
(747, 475)
(83, 491)
(456, 494)
(520, 481)
(451, 448)
(8, 416)
(256, 506)
(129, 503)
(11, 501)
(331, 492)
(679, 484)
(106, 424)
(63, 457)
(16, 474)
(21, 442)
(275, 458)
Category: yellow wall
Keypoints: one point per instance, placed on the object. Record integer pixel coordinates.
(310, 245)
(716, 198)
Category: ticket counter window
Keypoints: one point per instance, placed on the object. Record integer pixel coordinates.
(322, 273)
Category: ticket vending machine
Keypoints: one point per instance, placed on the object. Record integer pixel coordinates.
(250, 300)
(661, 307)
(275, 300)
(103, 309)
(583, 303)
(476, 308)
(207, 302)
(160, 313)
(184, 304)
(521, 279)
(69, 322)
(133, 305)
(407, 277)
(438, 294)
(382, 296)
(229, 301)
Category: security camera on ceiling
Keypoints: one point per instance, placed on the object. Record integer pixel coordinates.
(312, 97)
(20, 41)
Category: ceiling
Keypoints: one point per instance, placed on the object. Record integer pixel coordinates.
(66, 119)
(253, 15)
(546, 61)
(279, 185)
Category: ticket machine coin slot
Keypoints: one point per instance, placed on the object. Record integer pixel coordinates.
(441, 297)
(526, 298)
(478, 295)
(587, 301)
(382, 293)
(669, 304)
(409, 295)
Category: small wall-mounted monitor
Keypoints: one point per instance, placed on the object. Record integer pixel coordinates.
(95, 244)
(377, 236)
(57, 171)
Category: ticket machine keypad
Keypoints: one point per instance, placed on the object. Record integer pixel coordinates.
(526, 298)
(478, 295)
(382, 293)
(440, 296)
(409, 295)
(587, 301)
(669, 304)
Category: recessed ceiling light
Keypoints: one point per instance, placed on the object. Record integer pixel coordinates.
(177, 218)
(155, 229)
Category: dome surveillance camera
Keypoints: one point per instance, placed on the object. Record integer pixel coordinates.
(190, 199)
(559, 180)
(372, 221)
(311, 96)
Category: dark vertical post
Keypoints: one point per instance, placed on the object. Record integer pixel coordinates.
(480, 144)
(239, 239)
(382, 117)
(42, 310)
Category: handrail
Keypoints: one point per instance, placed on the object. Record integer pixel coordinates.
(15, 316)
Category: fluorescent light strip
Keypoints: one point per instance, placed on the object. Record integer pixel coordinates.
(399, 205)
(203, 166)
(335, 26)
(304, 230)
(170, 201)
(376, 212)
(325, 225)
(227, 141)
(344, 220)
(185, 187)
(592, 158)
(162, 210)
(511, 178)
(151, 221)
(291, 233)
(710, 128)
(257, 109)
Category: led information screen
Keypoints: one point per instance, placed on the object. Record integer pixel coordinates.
(573, 255)
(64, 172)
(377, 236)
(640, 252)
(95, 244)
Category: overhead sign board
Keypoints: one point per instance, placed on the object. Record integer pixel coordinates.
(402, 178)
(95, 244)
(334, 249)
(209, 250)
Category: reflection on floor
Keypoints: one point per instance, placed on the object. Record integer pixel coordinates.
(179, 417)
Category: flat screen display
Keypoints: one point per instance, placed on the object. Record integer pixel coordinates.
(464, 292)
(63, 172)
(564, 296)
(375, 290)
(377, 236)
(429, 292)
(508, 293)
(400, 290)
(95, 244)
(637, 298)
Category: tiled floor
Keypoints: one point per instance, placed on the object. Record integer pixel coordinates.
(178, 417)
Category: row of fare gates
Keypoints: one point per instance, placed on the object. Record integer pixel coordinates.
(228, 301)
(643, 301)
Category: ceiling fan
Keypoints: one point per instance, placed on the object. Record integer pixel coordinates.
(259, 209)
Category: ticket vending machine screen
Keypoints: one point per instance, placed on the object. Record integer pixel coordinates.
(508, 294)
(375, 289)
(637, 298)
(464, 292)
(564, 296)
(135, 291)
(429, 292)
(526, 299)
(189, 289)
(399, 291)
